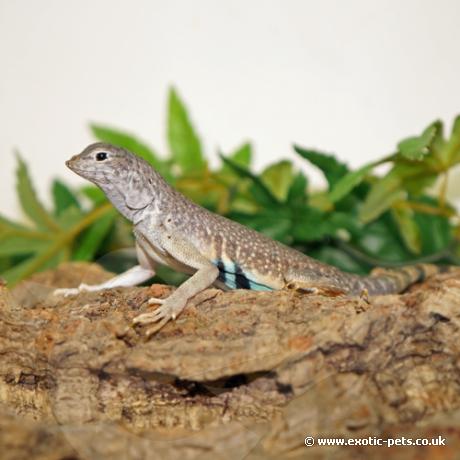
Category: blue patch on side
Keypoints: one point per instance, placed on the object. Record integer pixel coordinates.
(230, 281)
(259, 287)
(234, 277)
(256, 285)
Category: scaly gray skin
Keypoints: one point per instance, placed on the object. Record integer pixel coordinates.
(173, 231)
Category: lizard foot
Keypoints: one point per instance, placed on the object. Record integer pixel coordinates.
(160, 316)
(316, 288)
(67, 292)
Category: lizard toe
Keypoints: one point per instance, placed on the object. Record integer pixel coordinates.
(152, 317)
(66, 292)
(154, 329)
(145, 318)
(155, 300)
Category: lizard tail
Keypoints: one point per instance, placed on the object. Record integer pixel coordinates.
(396, 280)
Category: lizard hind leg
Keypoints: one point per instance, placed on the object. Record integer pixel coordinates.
(299, 286)
(135, 275)
(312, 287)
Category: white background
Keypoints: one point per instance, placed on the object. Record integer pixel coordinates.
(346, 76)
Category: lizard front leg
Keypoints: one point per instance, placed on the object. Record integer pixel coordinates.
(172, 306)
(176, 249)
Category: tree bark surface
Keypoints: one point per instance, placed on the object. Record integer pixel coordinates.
(239, 375)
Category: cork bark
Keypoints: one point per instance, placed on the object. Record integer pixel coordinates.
(239, 375)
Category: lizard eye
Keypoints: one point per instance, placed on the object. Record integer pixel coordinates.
(101, 156)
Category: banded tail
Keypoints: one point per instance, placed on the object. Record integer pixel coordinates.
(395, 280)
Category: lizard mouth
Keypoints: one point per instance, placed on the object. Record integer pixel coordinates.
(70, 163)
(74, 167)
(73, 164)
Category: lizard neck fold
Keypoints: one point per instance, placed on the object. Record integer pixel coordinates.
(139, 191)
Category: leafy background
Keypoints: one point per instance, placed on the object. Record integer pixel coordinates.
(359, 221)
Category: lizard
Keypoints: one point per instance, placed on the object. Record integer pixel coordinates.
(172, 230)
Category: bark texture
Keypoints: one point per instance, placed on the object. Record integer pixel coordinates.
(239, 375)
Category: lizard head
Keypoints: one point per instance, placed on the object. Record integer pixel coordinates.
(101, 163)
(126, 179)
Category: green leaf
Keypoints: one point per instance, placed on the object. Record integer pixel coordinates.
(338, 258)
(13, 245)
(29, 200)
(451, 151)
(345, 221)
(258, 189)
(438, 143)
(418, 183)
(408, 229)
(436, 233)
(63, 198)
(415, 148)
(183, 141)
(48, 257)
(18, 271)
(404, 177)
(297, 194)
(127, 141)
(208, 190)
(95, 194)
(278, 178)
(59, 242)
(379, 200)
(93, 237)
(332, 169)
(166, 275)
(381, 240)
(275, 223)
(455, 127)
(7, 224)
(243, 155)
(348, 182)
(310, 224)
(69, 218)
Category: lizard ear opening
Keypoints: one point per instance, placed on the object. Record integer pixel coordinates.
(137, 198)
